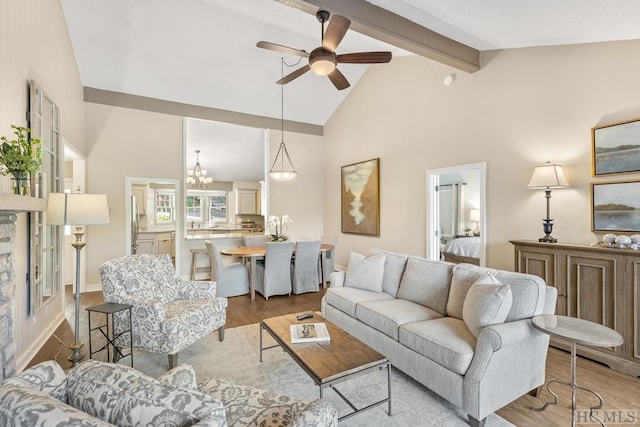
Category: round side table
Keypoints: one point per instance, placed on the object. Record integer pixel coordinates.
(576, 331)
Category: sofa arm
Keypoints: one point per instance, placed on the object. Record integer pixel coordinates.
(189, 289)
(337, 279)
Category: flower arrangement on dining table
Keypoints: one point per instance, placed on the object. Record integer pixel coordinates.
(278, 223)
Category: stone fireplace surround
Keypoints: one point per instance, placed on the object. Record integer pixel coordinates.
(10, 206)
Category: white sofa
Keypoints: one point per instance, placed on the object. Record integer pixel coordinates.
(463, 331)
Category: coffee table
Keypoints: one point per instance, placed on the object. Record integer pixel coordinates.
(329, 363)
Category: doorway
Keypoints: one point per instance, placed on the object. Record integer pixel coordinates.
(158, 202)
(460, 221)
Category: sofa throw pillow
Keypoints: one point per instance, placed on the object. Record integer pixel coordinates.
(126, 397)
(365, 272)
(181, 376)
(46, 376)
(464, 276)
(394, 265)
(487, 303)
(426, 282)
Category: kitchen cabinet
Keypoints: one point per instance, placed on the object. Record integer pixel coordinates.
(156, 243)
(140, 193)
(247, 202)
(146, 243)
(594, 283)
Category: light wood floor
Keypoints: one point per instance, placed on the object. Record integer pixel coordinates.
(621, 392)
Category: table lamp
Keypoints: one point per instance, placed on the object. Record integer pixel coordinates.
(548, 177)
(474, 216)
(77, 209)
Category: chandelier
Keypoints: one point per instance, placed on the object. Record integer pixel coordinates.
(197, 176)
(279, 170)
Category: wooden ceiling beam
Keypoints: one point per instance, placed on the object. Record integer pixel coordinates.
(388, 27)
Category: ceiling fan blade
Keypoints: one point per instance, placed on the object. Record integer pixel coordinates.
(337, 28)
(338, 79)
(282, 49)
(364, 58)
(297, 73)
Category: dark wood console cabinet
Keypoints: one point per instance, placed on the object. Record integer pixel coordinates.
(594, 283)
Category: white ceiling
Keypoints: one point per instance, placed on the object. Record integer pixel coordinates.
(203, 52)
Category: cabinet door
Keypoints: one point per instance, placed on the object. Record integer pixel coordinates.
(544, 263)
(141, 199)
(165, 244)
(246, 202)
(146, 246)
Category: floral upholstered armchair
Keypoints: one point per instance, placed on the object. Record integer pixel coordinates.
(168, 313)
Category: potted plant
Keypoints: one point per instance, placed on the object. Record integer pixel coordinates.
(278, 223)
(20, 157)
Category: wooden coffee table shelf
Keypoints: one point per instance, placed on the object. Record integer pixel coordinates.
(328, 363)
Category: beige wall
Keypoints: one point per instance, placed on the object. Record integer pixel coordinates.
(524, 107)
(34, 44)
(126, 142)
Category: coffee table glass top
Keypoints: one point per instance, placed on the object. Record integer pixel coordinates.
(580, 331)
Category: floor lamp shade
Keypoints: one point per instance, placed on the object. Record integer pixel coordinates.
(77, 209)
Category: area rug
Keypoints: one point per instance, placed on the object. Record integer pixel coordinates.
(237, 358)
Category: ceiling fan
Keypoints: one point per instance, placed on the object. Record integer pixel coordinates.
(323, 60)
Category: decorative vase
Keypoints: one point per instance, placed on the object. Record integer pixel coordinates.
(21, 183)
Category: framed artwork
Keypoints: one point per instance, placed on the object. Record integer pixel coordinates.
(615, 206)
(360, 202)
(616, 148)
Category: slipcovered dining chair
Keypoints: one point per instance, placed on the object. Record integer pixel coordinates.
(306, 277)
(274, 277)
(233, 279)
(330, 254)
(259, 240)
(168, 313)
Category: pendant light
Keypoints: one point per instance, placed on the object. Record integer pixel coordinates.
(280, 170)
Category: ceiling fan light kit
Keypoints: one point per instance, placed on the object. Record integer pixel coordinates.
(323, 60)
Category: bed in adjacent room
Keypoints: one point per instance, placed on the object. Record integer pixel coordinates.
(462, 249)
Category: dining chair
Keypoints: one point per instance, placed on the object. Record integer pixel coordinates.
(259, 240)
(330, 254)
(306, 277)
(232, 279)
(274, 277)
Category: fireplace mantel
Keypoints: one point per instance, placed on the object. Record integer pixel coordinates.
(14, 203)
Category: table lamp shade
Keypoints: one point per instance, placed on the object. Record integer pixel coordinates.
(548, 176)
(474, 215)
(77, 209)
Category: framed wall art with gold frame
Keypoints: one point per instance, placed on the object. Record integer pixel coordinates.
(616, 148)
(360, 200)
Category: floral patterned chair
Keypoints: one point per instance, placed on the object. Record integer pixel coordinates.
(168, 313)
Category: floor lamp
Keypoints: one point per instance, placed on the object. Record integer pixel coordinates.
(547, 177)
(79, 210)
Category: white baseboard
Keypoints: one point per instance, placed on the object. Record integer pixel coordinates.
(94, 287)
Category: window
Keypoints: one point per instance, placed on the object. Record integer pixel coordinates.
(218, 207)
(194, 208)
(165, 207)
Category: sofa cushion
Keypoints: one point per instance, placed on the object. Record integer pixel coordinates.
(528, 291)
(388, 316)
(461, 281)
(46, 376)
(248, 406)
(346, 299)
(487, 303)
(394, 265)
(365, 272)
(426, 282)
(446, 341)
(23, 406)
(124, 397)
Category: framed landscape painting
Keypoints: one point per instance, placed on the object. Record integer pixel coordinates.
(615, 206)
(616, 148)
(360, 202)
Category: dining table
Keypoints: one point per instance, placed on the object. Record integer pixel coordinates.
(253, 253)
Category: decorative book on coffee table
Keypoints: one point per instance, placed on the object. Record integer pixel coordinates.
(309, 332)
